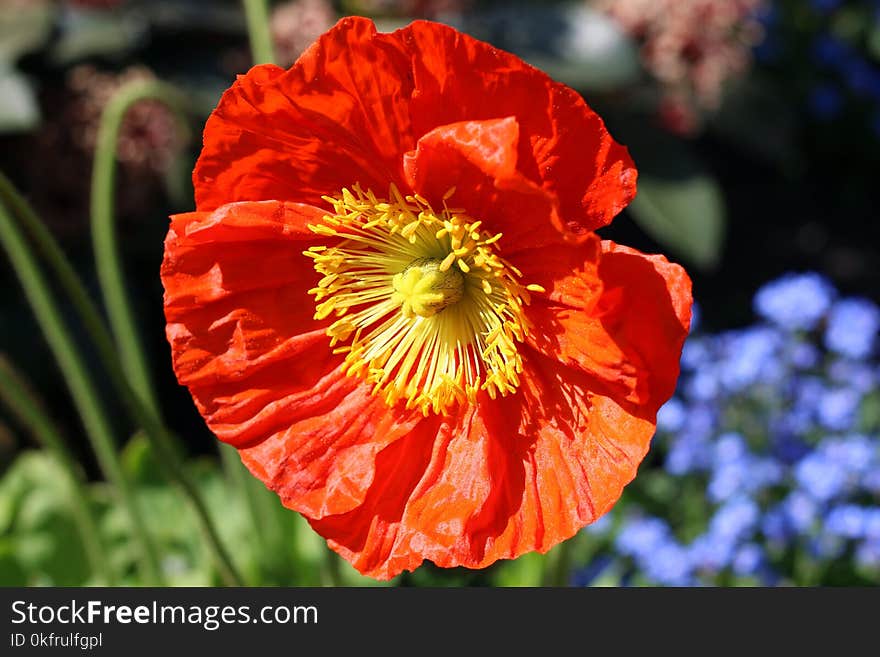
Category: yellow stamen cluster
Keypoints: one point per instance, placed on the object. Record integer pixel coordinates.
(426, 310)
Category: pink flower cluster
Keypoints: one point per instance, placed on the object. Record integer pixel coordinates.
(60, 153)
(298, 23)
(692, 47)
(149, 138)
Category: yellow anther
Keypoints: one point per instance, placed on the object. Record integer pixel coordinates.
(447, 262)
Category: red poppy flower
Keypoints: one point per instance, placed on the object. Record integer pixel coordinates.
(391, 299)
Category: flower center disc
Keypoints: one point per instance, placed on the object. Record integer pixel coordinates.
(424, 288)
(426, 310)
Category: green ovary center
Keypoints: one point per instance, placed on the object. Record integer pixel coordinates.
(425, 288)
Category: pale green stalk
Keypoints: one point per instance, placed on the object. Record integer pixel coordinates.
(17, 396)
(259, 32)
(81, 386)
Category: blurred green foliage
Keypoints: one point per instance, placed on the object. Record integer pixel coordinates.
(40, 544)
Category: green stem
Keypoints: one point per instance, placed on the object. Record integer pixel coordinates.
(159, 437)
(64, 271)
(330, 575)
(161, 440)
(82, 388)
(807, 572)
(558, 563)
(107, 261)
(259, 32)
(239, 481)
(30, 411)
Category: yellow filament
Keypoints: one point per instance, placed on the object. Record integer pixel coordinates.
(425, 309)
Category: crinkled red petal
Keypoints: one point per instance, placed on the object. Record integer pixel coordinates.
(357, 101)
(339, 116)
(259, 368)
(503, 478)
(564, 145)
(617, 314)
(478, 159)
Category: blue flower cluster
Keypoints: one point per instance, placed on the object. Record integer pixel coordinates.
(769, 453)
(848, 69)
(842, 69)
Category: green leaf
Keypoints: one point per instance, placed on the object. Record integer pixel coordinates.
(11, 571)
(685, 215)
(38, 525)
(527, 570)
(47, 542)
(679, 202)
(139, 463)
(350, 577)
(25, 475)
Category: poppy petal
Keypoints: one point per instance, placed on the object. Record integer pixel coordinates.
(614, 312)
(478, 159)
(260, 370)
(511, 476)
(356, 101)
(339, 116)
(323, 463)
(563, 146)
